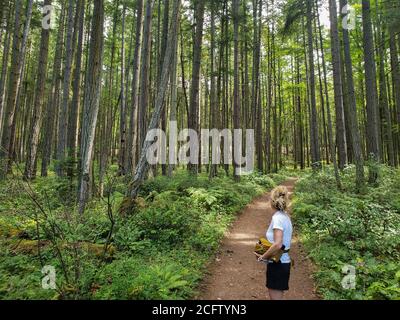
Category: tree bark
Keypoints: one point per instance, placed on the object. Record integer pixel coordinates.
(371, 91)
(122, 122)
(352, 103)
(383, 94)
(144, 78)
(174, 102)
(18, 56)
(91, 101)
(143, 166)
(72, 137)
(337, 85)
(164, 38)
(395, 66)
(53, 102)
(237, 150)
(33, 140)
(194, 92)
(131, 141)
(314, 141)
(214, 106)
(255, 92)
(63, 114)
(6, 50)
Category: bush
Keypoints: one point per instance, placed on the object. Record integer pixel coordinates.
(344, 228)
(134, 278)
(159, 251)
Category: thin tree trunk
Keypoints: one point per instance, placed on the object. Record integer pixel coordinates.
(324, 103)
(257, 117)
(53, 102)
(174, 104)
(17, 62)
(164, 38)
(314, 141)
(91, 101)
(353, 121)
(383, 94)
(75, 103)
(6, 50)
(122, 123)
(194, 92)
(33, 140)
(337, 85)
(144, 77)
(237, 150)
(213, 94)
(143, 165)
(395, 66)
(371, 91)
(63, 114)
(299, 127)
(131, 141)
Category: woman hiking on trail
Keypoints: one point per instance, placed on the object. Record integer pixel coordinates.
(279, 234)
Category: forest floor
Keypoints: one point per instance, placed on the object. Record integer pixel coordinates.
(235, 273)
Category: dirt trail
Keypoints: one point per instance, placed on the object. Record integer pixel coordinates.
(235, 273)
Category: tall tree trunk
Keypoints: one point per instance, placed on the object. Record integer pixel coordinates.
(91, 101)
(371, 90)
(255, 91)
(131, 141)
(194, 92)
(299, 122)
(107, 115)
(324, 102)
(144, 77)
(53, 102)
(214, 106)
(143, 166)
(63, 114)
(383, 94)
(353, 121)
(174, 105)
(395, 66)
(33, 140)
(164, 38)
(337, 85)
(314, 141)
(75, 103)
(237, 149)
(6, 50)
(122, 122)
(18, 57)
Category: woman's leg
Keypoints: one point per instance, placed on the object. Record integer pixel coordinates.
(275, 294)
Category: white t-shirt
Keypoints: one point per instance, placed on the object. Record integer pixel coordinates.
(281, 220)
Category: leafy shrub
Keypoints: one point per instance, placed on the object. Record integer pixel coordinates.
(262, 180)
(344, 228)
(132, 278)
(161, 250)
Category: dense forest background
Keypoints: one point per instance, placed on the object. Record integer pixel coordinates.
(82, 82)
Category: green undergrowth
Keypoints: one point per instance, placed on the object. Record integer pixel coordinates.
(159, 249)
(351, 236)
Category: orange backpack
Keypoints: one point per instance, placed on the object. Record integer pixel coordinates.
(263, 245)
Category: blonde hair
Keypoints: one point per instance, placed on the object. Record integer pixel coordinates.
(279, 198)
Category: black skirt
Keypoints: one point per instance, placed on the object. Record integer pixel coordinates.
(278, 275)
